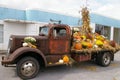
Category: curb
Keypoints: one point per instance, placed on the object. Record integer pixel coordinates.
(2, 52)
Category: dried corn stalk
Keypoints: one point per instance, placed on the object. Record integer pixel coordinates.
(85, 21)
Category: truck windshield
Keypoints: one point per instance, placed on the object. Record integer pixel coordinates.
(44, 31)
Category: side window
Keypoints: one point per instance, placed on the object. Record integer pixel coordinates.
(59, 32)
(44, 30)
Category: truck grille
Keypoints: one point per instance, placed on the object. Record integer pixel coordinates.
(9, 46)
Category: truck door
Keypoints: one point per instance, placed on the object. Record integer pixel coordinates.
(59, 41)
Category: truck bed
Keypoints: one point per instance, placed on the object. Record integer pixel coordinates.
(92, 51)
(86, 54)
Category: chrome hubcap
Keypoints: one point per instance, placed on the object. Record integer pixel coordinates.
(106, 59)
(28, 68)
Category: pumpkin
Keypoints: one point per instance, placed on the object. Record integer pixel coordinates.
(99, 43)
(50, 63)
(76, 35)
(65, 59)
(112, 43)
(89, 36)
(100, 38)
(25, 44)
(106, 42)
(89, 45)
(61, 61)
(83, 37)
(78, 46)
(84, 44)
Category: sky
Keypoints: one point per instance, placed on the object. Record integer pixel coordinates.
(109, 8)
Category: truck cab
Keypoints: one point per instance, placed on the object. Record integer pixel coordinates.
(52, 43)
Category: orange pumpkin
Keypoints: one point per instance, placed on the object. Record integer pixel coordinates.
(78, 46)
(66, 59)
(89, 45)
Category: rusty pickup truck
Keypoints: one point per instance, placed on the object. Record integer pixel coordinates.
(53, 42)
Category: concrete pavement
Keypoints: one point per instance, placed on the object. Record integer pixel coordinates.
(80, 71)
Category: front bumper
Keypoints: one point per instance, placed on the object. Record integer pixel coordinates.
(5, 61)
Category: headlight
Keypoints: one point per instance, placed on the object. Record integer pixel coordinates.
(9, 46)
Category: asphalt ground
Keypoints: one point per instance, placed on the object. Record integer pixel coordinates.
(79, 71)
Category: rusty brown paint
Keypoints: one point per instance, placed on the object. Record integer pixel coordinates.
(60, 45)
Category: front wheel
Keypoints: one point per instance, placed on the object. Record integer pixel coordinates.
(27, 68)
(105, 59)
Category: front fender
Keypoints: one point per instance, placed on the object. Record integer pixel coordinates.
(21, 51)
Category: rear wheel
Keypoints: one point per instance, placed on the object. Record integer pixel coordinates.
(104, 59)
(27, 68)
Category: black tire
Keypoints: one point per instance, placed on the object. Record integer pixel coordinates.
(104, 59)
(28, 68)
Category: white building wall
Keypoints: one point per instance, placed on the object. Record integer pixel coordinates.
(12, 28)
(1, 21)
(33, 29)
(1, 44)
(18, 28)
(111, 33)
(92, 25)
